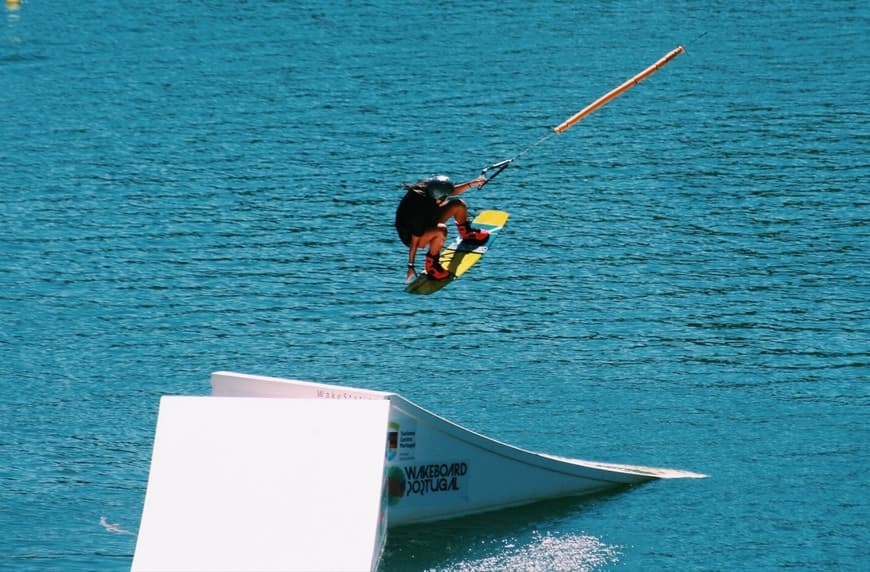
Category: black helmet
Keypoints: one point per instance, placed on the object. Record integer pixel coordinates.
(438, 187)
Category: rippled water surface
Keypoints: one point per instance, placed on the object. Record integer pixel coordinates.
(189, 187)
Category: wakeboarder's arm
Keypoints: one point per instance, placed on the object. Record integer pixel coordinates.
(462, 187)
(412, 252)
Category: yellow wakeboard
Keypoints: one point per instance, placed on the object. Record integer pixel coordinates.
(459, 256)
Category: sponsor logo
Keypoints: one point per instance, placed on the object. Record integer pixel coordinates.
(395, 485)
(337, 394)
(423, 480)
(401, 440)
(392, 440)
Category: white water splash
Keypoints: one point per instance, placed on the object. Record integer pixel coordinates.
(571, 553)
(116, 528)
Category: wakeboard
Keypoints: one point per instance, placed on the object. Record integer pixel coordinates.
(459, 256)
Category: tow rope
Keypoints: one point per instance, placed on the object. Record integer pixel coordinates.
(586, 111)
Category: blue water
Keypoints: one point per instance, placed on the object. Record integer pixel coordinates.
(189, 187)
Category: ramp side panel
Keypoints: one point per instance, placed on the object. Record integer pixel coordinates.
(437, 469)
(264, 484)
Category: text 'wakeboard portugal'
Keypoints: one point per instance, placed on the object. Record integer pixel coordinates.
(459, 256)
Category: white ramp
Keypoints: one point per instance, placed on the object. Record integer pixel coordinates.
(266, 485)
(437, 469)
